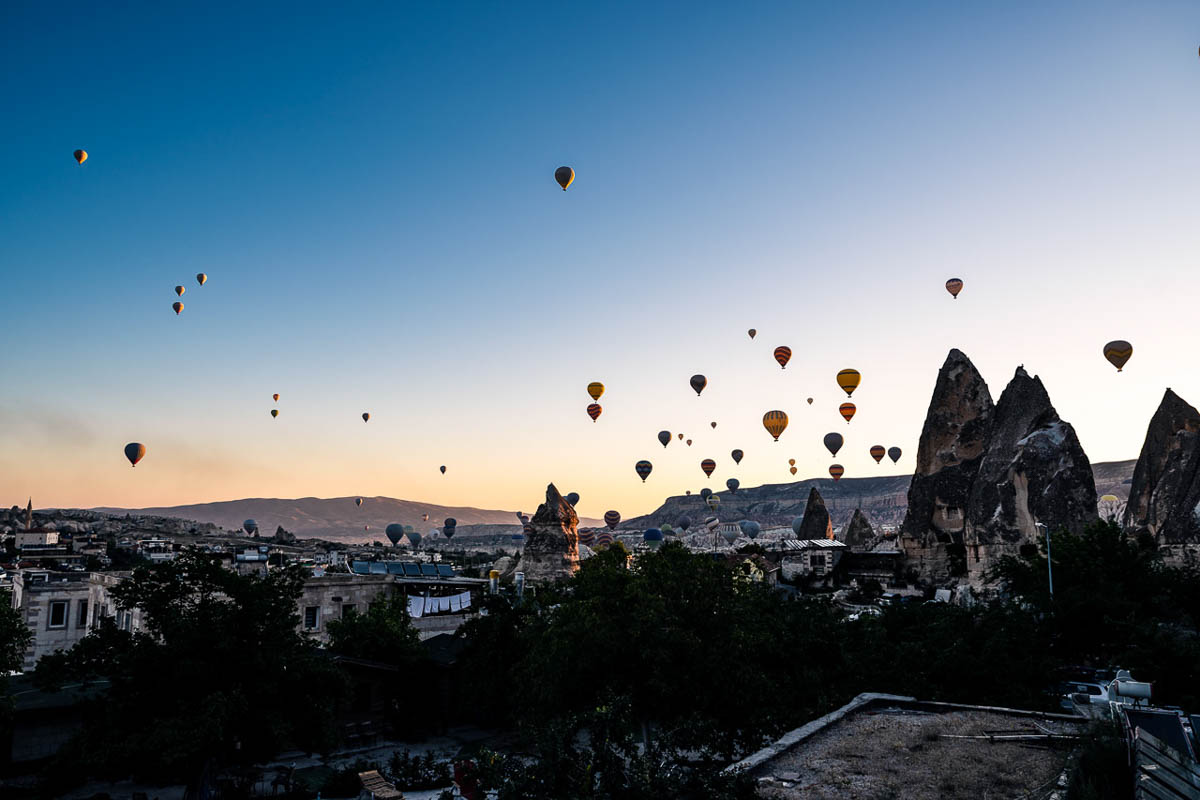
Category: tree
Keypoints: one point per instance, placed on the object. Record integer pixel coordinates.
(384, 633)
(220, 672)
(15, 638)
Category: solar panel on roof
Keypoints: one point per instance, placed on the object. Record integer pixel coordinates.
(429, 570)
(412, 570)
(360, 567)
(378, 568)
(395, 568)
(445, 570)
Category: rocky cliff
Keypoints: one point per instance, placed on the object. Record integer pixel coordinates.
(1164, 498)
(816, 523)
(551, 541)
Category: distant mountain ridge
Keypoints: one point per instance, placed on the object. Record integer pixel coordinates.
(335, 518)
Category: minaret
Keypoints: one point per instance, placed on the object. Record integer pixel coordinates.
(29, 515)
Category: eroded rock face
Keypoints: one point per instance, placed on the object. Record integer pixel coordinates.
(1164, 498)
(858, 535)
(949, 453)
(816, 523)
(551, 541)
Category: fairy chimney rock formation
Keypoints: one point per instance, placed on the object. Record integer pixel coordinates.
(858, 535)
(816, 523)
(1164, 497)
(551, 550)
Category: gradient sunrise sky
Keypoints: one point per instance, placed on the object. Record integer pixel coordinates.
(369, 188)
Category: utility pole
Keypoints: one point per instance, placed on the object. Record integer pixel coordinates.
(1049, 563)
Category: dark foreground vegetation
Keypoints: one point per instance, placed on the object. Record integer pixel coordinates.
(628, 682)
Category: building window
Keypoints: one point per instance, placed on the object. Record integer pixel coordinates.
(127, 621)
(311, 617)
(348, 609)
(58, 614)
(81, 620)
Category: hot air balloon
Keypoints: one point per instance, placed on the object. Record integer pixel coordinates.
(783, 355)
(683, 523)
(708, 465)
(664, 438)
(275, 397)
(752, 529)
(849, 379)
(752, 333)
(449, 525)
(681, 437)
(134, 451)
(894, 454)
(792, 470)
(730, 535)
(366, 416)
(797, 525)
(81, 156)
(775, 422)
(274, 412)
(201, 278)
(643, 468)
(179, 290)
(593, 411)
(603, 539)
(836, 471)
(736, 455)
(612, 519)
(713, 501)
(847, 411)
(833, 442)
(954, 286)
(250, 526)
(442, 468)
(810, 401)
(564, 176)
(732, 485)
(425, 518)
(878, 452)
(595, 389)
(791, 462)
(714, 425)
(177, 306)
(358, 502)
(1118, 352)
(394, 533)
(667, 529)
(653, 537)
(414, 537)
(698, 383)
(572, 498)
(587, 537)
(705, 493)
(688, 442)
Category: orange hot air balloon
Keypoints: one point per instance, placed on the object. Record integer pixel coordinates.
(201, 278)
(179, 290)
(1118, 352)
(836, 471)
(783, 355)
(595, 389)
(791, 462)
(877, 452)
(275, 397)
(847, 410)
(775, 422)
(594, 410)
(564, 176)
(178, 307)
(849, 379)
(274, 412)
(134, 451)
(792, 470)
(954, 286)
(81, 156)
(708, 465)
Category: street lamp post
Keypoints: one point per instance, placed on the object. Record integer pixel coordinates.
(1049, 563)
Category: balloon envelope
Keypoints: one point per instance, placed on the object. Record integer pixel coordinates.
(595, 389)
(179, 290)
(894, 454)
(732, 485)
(836, 471)
(793, 470)
(954, 286)
(275, 397)
(752, 529)
(274, 412)
(1118, 352)
(572, 498)
(358, 502)
(134, 452)
(752, 333)
(643, 469)
(442, 469)
(177, 306)
(775, 422)
(810, 401)
(683, 523)
(833, 442)
(737, 456)
(713, 501)
(201, 278)
(414, 537)
(783, 355)
(664, 438)
(698, 383)
(849, 379)
(612, 519)
(80, 156)
(705, 493)
(593, 411)
(878, 452)
(394, 532)
(366, 416)
(847, 411)
(564, 176)
(249, 526)
(708, 465)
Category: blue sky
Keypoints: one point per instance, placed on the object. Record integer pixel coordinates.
(370, 190)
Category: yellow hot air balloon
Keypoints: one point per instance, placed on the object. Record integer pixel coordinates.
(1118, 352)
(775, 422)
(848, 379)
(81, 156)
(847, 411)
(201, 278)
(595, 389)
(179, 290)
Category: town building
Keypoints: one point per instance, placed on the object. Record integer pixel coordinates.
(810, 557)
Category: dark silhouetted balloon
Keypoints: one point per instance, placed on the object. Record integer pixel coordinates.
(134, 451)
(250, 526)
(1118, 352)
(572, 498)
(275, 397)
(177, 306)
(894, 454)
(783, 354)
(394, 532)
(366, 416)
(737, 456)
(664, 438)
(274, 412)
(714, 425)
(643, 469)
(564, 176)
(698, 383)
(732, 485)
(683, 523)
(358, 502)
(688, 442)
(179, 290)
(201, 278)
(833, 442)
(442, 468)
(810, 401)
(792, 470)
(752, 333)
(80, 156)
(449, 525)
(752, 529)
(705, 493)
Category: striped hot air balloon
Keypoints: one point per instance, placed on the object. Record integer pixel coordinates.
(849, 379)
(643, 469)
(847, 411)
(595, 389)
(1118, 352)
(836, 471)
(954, 286)
(603, 539)
(587, 537)
(612, 519)
(708, 465)
(593, 411)
(878, 452)
(783, 355)
(775, 422)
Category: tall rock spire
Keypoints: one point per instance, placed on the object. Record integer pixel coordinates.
(551, 550)
(816, 523)
(1165, 492)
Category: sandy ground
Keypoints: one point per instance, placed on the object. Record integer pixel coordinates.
(901, 756)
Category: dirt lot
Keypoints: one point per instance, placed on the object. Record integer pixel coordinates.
(891, 755)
